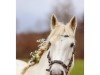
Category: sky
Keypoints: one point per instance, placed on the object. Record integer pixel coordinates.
(31, 14)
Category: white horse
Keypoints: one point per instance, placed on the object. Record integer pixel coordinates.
(59, 58)
(20, 66)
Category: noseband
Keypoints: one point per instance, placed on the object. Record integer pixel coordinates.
(66, 67)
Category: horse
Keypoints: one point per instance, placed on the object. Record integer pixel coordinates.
(20, 65)
(59, 58)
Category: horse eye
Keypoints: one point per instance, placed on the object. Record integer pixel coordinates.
(72, 44)
(66, 36)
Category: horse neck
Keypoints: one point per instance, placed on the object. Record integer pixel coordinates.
(44, 60)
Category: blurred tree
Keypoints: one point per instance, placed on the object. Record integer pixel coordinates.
(63, 11)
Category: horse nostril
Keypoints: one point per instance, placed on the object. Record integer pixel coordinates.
(54, 73)
(50, 72)
(62, 73)
(72, 44)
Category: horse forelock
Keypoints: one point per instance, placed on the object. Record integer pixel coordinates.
(59, 30)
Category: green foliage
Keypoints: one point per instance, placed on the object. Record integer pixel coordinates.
(78, 68)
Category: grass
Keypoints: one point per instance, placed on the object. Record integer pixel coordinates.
(78, 68)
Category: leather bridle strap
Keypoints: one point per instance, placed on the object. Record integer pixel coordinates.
(58, 62)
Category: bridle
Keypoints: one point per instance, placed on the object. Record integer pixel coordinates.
(66, 67)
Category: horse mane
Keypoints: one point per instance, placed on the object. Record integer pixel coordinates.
(35, 56)
(43, 46)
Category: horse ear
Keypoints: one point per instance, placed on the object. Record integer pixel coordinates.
(53, 21)
(73, 23)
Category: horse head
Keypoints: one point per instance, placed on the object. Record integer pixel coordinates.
(62, 39)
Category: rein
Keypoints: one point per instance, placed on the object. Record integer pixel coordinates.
(66, 67)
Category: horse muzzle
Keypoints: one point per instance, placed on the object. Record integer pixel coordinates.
(53, 73)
